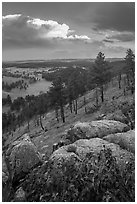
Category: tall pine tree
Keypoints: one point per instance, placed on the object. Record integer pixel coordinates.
(101, 73)
(130, 69)
(57, 96)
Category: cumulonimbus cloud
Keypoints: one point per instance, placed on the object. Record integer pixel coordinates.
(25, 31)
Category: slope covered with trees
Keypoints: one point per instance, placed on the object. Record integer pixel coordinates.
(68, 85)
(83, 95)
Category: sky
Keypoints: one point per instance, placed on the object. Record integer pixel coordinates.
(58, 30)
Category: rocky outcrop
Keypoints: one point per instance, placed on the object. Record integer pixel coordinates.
(6, 180)
(101, 128)
(124, 140)
(20, 195)
(23, 156)
(79, 149)
(117, 116)
(5, 173)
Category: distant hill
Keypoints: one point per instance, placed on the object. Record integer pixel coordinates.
(114, 59)
(53, 63)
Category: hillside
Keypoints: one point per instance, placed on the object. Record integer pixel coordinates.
(44, 141)
(55, 129)
(77, 141)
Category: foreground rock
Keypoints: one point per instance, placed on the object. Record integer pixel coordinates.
(117, 117)
(5, 173)
(20, 195)
(101, 128)
(6, 182)
(124, 140)
(23, 156)
(79, 149)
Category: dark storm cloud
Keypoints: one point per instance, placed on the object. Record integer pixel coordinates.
(123, 37)
(118, 16)
(16, 33)
(108, 41)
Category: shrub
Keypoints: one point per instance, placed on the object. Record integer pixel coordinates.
(72, 148)
(128, 110)
(74, 134)
(95, 179)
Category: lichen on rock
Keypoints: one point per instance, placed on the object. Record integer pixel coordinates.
(23, 156)
(100, 128)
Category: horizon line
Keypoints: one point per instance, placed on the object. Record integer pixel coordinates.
(3, 61)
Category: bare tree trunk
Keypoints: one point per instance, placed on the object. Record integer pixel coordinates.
(76, 106)
(37, 122)
(132, 89)
(119, 81)
(132, 86)
(28, 125)
(62, 113)
(102, 94)
(70, 105)
(119, 84)
(96, 97)
(85, 104)
(57, 115)
(41, 122)
(128, 80)
(124, 91)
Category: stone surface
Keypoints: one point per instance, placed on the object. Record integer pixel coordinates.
(124, 140)
(117, 116)
(83, 130)
(23, 156)
(5, 173)
(84, 146)
(20, 195)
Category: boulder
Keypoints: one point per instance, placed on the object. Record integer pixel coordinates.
(23, 156)
(100, 128)
(125, 140)
(78, 150)
(24, 137)
(20, 195)
(60, 144)
(117, 116)
(5, 173)
(6, 182)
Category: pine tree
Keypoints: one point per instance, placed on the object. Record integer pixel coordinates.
(101, 73)
(73, 90)
(57, 96)
(27, 114)
(42, 107)
(119, 80)
(130, 69)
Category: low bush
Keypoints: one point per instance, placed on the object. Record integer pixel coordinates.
(72, 148)
(95, 179)
(128, 110)
(74, 134)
